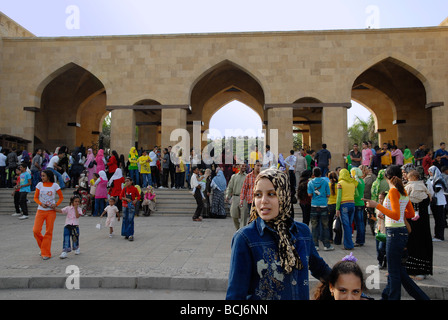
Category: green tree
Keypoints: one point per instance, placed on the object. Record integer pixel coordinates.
(105, 134)
(362, 131)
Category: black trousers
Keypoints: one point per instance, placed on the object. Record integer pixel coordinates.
(2, 177)
(165, 173)
(172, 175)
(199, 202)
(22, 202)
(438, 213)
(155, 176)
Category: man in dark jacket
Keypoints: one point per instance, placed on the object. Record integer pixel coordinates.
(12, 162)
(323, 158)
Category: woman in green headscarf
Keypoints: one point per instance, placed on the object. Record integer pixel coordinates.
(408, 156)
(380, 185)
(345, 205)
(357, 174)
(133, 165)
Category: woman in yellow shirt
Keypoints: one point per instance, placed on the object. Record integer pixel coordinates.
(180, 172)
(345, 205)
(145, 169)
(333, 176)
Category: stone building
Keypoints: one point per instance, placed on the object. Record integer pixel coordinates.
(57, 91)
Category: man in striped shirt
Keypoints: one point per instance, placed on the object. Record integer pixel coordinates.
(247, 190)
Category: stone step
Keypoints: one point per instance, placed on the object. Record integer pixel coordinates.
(169, 201)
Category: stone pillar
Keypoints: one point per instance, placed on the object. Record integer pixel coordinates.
(172, 119)
(147, 136)
(316, 136)
(439, 127)
(306, 140)
(280, 119)
(334, 134)
(122, 135)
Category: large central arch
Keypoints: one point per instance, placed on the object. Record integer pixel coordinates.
(221, 84)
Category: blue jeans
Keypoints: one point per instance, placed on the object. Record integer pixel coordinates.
(134, 174)
(35, 179)
(73, 233)
(127, 226)
(360, 226)
(396, 253)
(380, 252)
(147, 180)
(59, 177)
(319, 226)
(324, 171)
(99, 207)
(347, 215)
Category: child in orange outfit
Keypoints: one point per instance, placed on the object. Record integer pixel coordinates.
(45, 197)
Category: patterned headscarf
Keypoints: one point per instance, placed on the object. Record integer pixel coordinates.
(289, 258)
(356, 173)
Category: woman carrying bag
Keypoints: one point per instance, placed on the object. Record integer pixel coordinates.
(397, 208)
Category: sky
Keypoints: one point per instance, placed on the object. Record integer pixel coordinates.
(50, 18)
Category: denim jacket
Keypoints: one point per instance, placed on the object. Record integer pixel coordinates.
(255, 270)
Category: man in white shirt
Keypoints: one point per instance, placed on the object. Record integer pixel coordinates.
(268, 159)
(154, 169)
(197, 194)
(53, 166)
(291, 163)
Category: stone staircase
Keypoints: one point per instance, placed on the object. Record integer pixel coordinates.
(7, 201)
(169, 201)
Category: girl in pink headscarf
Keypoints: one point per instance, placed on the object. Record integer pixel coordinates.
(100, 161)
(90, 164)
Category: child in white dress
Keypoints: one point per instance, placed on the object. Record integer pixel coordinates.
(112, 213)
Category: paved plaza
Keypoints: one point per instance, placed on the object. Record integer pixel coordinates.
(170, 252)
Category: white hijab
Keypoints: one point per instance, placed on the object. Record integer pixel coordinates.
(103, 176)
(118, 174)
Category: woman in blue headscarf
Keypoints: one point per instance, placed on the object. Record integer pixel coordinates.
(437, 186)
(218, 186)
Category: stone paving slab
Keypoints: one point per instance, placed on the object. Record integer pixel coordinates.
(169, 252)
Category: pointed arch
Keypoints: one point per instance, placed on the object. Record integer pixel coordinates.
(58, 70)
(396, 93)
(242, 121)
(400, 60)
(71, 102)
(223, 75)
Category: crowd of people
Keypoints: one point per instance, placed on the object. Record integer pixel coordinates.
(387, 190)
(390, 190)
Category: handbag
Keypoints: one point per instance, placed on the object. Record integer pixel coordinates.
(99, 225)
(337, 225)
(380, 237)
